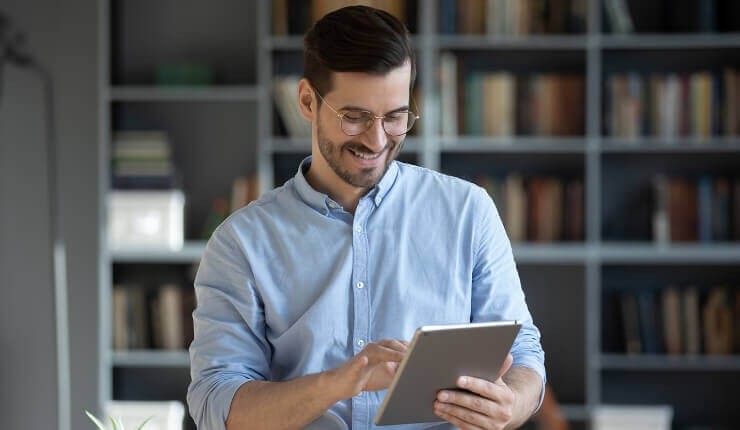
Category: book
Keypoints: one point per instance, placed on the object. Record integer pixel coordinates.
(691, 322)
(650, 333)
(661, 220)
(574, 211)
(171, 310)
(671, 304)
(720, 210)
(705, 209)
(448, 96)
(631, 323)
(120, 317)
(516, 208)
(718, 323)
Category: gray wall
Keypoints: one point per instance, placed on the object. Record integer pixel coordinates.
(63, 36)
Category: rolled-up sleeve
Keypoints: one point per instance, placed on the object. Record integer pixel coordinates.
(497, 291)
(229, 347)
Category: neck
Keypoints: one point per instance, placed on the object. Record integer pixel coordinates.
(323, 179)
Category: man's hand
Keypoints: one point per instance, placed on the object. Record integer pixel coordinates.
(372, 369)
(487, 405)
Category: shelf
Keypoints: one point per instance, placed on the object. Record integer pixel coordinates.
(670, 145)
(689, 253)
(534, 42)
(476, 144)
(151, 358)
(290, 145)
(559, 253)
(671, 41)
(670, 363)
(190, 253)
(187, 94)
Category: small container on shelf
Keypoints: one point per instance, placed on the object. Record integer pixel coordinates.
(146, 219)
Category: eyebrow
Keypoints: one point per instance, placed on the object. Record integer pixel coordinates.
(357, 108)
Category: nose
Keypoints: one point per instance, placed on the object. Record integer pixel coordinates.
(377, 139)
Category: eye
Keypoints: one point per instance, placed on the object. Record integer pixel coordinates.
(356, 117)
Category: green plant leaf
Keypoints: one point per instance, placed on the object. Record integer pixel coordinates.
(95, 420)
(144, 423)
(115, 425)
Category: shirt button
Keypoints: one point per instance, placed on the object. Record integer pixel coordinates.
(358, 228)
(360, 285)
(332, 205)
(360, 342)
(378, 200)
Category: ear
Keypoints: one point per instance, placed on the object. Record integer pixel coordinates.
(306, 100)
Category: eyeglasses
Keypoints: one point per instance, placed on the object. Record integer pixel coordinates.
(356, 122)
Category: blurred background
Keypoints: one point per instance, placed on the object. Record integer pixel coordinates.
(606, 132)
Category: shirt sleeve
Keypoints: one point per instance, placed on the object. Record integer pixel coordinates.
(497, 291)
(229, 346)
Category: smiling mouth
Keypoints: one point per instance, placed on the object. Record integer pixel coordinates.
(365, 156)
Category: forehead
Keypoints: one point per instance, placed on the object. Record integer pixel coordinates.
(373, 92)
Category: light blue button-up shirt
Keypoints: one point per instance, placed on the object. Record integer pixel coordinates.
(293, 284)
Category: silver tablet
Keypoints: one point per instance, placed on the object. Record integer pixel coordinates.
(436, 357)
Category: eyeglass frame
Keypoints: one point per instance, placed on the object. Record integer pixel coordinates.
(372, 114)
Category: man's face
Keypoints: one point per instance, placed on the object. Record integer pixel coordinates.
(362, 160)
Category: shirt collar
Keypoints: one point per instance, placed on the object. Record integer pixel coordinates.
(320, 201)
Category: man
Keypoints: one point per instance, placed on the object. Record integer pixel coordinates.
(307, 297)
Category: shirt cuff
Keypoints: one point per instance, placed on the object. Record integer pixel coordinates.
(223, 398)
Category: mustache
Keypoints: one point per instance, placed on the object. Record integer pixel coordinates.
(359, 147)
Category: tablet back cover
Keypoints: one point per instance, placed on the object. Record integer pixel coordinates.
(439, 356)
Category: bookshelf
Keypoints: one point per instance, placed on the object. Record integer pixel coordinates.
(566, 282)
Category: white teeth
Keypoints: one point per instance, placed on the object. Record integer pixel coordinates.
(365, 157)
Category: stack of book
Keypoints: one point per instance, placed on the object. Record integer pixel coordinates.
(705, 209)
(159, 319)
(512, 17)
(675, 321)
(700, 104)
(503, 104)
(539, 209)
(142, 160)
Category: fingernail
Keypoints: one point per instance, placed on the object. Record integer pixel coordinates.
(463, 380)
(443, 396)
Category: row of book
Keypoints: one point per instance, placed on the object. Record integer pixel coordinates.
(538, 209)
(512, 17)
(503, 104)
(296, 16)
(705, 209)
(244, 190)
(142, 160)
(671, 16)
(152, 319)
(675, 321)
(700, 104)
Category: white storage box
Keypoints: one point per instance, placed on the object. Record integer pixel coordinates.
(632, 418)
(146, 219)
(165, 415)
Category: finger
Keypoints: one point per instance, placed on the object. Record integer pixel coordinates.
(506, 366)
(377, 353)
(456, 421)
(470, 401)
(394, 344)
(481, 387)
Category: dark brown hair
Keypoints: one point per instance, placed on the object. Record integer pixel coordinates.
(355, 39)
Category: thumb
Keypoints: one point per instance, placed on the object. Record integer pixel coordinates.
(506, 366)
